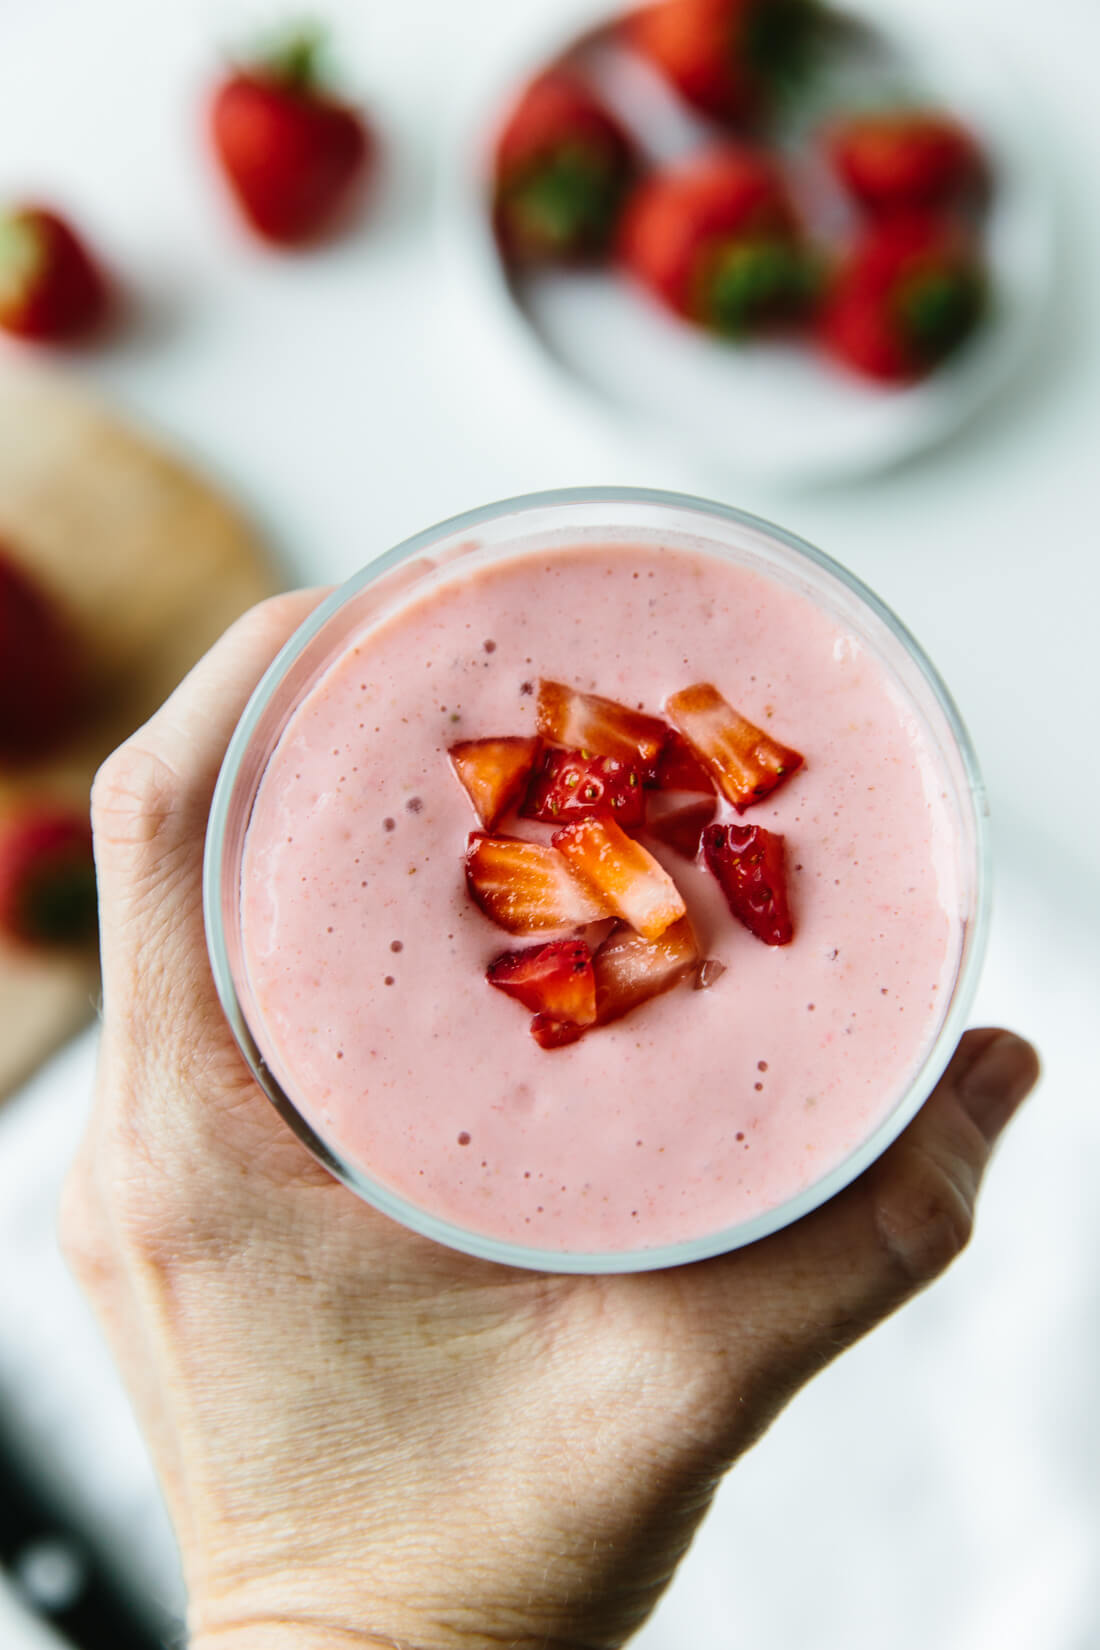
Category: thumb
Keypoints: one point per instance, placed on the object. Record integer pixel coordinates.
(790, 1304)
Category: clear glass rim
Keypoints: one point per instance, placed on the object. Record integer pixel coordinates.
(634, 1260)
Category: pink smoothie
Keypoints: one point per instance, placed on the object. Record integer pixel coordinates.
(366, 958)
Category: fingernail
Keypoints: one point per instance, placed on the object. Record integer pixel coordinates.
(997, 1082)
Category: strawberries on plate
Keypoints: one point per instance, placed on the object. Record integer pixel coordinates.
(528, 888)
(748, 862)
(40, 687)
(291, 152)
(569, 785)
(47, 878)
(716, 240)
(731, 59)
(906, 160)
(907, 299)
(51, 288)
(745, 763)
(494, 773)
(562, 167)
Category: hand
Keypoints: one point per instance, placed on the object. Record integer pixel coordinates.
(366, 1438)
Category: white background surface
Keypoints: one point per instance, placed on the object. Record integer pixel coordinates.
(941, 1485)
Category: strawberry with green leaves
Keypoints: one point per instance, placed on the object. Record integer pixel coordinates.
(906, 300)
(730, 59)
(52, 291)
(47, 878)
(716, 240)
(562, 169)
(291, 152)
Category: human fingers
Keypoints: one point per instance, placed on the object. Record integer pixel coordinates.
(785, 1307)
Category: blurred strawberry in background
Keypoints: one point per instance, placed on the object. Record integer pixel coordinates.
(906, 299)
(51, 289)
(291, 152)
(717, 241)
(905, 160)
(40, 689)
(730, 59)
(563, 166)
(47, 877)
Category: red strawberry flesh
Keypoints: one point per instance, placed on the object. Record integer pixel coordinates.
(622, 873)
(748, 862)
(745, 762)
(906, 160)
(493, 773)
(554, 980)
(601, 727)
(40, 690)
(679, 769)
(527, 888)
(682, 828)
(51, 289)
(569, 785)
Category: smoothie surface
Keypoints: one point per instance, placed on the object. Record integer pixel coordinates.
(366, 957)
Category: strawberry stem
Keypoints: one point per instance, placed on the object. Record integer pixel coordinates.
(294, 57)
(940, 310)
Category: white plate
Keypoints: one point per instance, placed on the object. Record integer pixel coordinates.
(778, 412)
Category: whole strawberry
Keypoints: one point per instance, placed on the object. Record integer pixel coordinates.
(906, 160)
(47, 878)
(562, 168)
(908, 297)
(39, 678)
(731, 59)
(718, 243)
(51, 289)
(292, 153)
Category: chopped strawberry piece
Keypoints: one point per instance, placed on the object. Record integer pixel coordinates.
(746, 763)
(748, 863)
(570, 785)
(550, 1033)
(682, 828)
(527, 888)
(679, 769)
(630, 970)
(554, 980)
(587, 722)
(494, 773)
(622, 873)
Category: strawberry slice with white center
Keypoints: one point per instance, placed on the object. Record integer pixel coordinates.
(630, 970)
(568, 785)
(494, 773)
(622, 873)
(554, 980)
(748, 862)
(527, 888)
(601, 727)
(682, 828)
(745, 762)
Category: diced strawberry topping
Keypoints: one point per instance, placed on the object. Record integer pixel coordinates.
(682, 828)
(494, 773)
(748, 863)
(527, 888)
(629, 969)
(602, 727)
(569, 785)
(745, 762)
(550, 1033)
(679, 769)
(622, 873)
(554, 980)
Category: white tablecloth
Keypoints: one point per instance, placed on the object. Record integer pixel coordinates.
(941, 1485)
